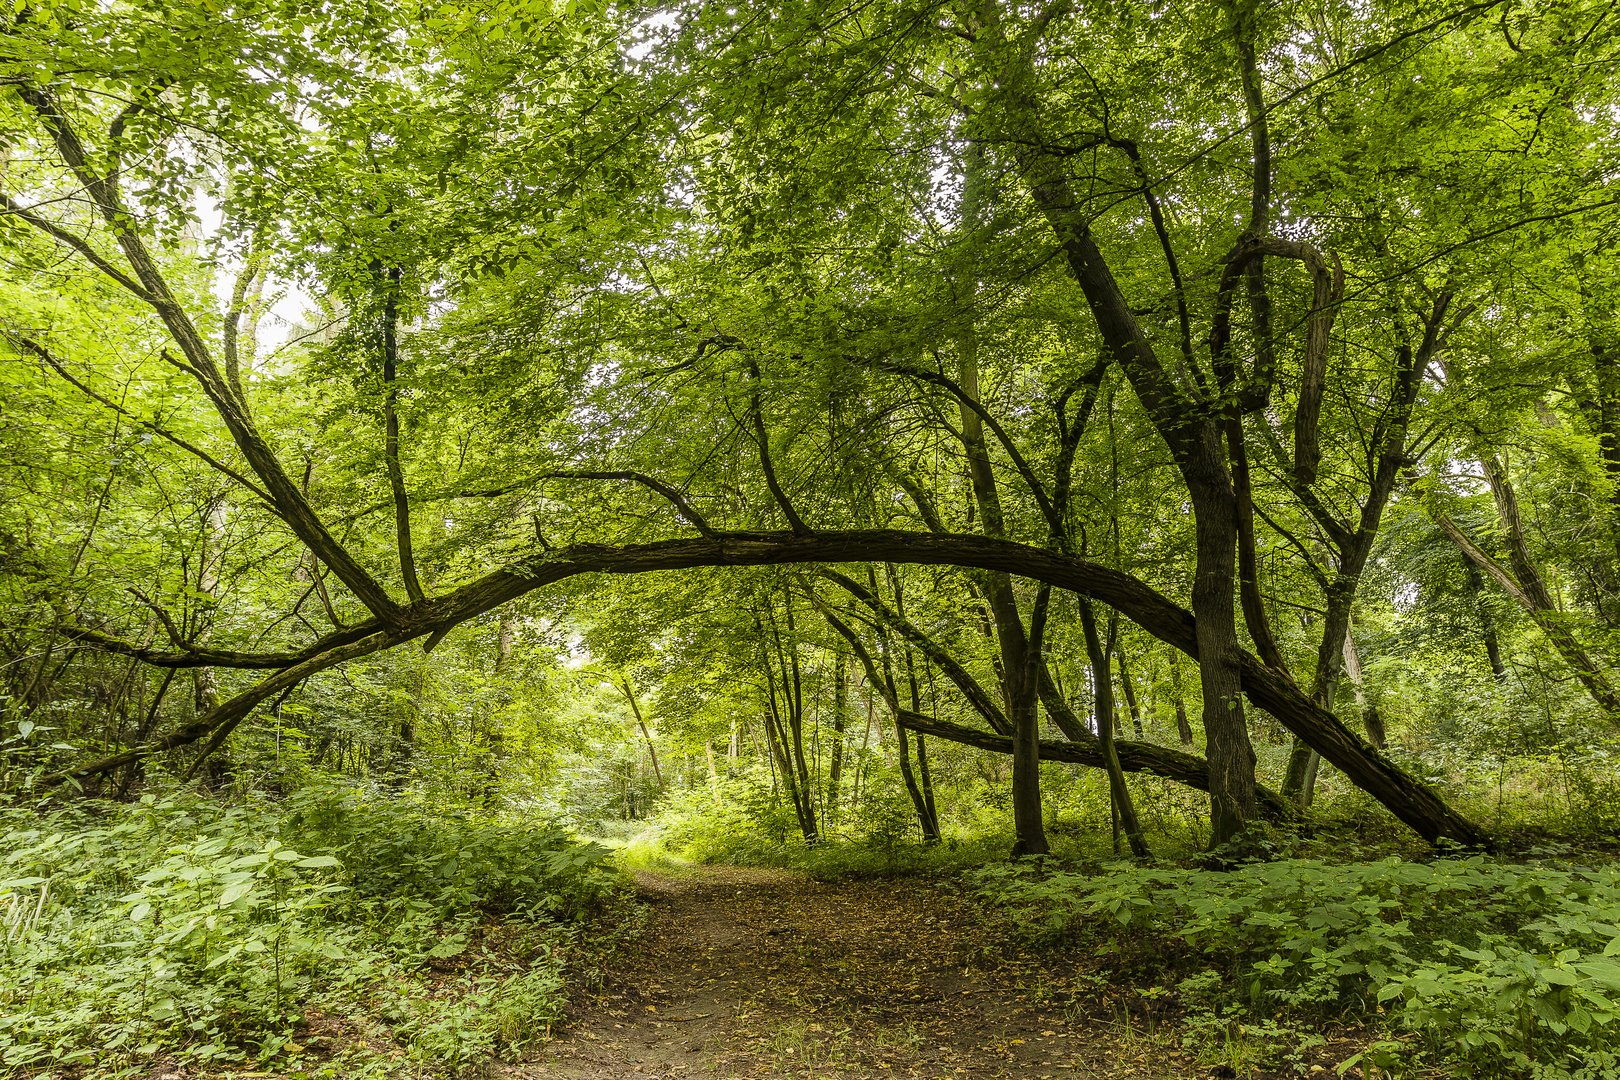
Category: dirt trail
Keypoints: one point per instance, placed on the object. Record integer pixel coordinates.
(764, 973)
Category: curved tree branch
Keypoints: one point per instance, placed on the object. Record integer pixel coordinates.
(43, 354)
(1406, 796)
(674, 495)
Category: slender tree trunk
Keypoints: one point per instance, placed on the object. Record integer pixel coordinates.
(1103, 696)
(1368, 708)
(885, 681)
(1487, 622)
(389, 347)
(1184, 729)
(1018, 679)
(789, 718)
(789, 650)
(927, 813)
(635, 707)
(1532, 596)
(926, 780)
(866, 741)
(835, 767)
(489, 724)
(1130, 692)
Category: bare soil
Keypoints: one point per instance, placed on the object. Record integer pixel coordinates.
(745, 973)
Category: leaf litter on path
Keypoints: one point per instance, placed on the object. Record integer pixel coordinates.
(747, 973)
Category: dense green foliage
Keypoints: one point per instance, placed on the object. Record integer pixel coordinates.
(826, 431)
(1488, 968)
(181, 928)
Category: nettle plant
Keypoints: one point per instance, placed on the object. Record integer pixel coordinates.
(183, 927)
(1504, 967)
(156, 922)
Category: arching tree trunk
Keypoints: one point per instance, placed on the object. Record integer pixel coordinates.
(1403, 794)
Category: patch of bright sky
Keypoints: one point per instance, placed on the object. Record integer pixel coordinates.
(290, 305)
(649, 33)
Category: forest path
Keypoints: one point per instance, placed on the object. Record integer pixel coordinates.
(744, 973)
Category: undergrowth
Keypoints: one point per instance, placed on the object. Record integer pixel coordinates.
(332, 932)
(1483, 967)
(740, 821)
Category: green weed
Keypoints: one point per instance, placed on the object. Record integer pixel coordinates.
(1500, 969)
(185, 929)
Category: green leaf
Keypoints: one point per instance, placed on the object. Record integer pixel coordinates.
(234, 893)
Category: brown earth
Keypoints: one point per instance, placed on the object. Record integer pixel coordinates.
(746, 973)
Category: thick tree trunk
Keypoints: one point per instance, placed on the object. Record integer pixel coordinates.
(1228, 750)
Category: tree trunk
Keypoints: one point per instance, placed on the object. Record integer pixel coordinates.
(1531, 594)
(926, 780)
(786, 745)
(1369, 710)
(1018, 682)
(883, 681)
(635, 707)
(835, 770)
(1130, 692)
(1487, 622)
(1184, 729)
(1103, 698)
(927, 813)
(1228, 750)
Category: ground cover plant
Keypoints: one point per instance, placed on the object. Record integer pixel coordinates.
(183, 929)
(1483, 967)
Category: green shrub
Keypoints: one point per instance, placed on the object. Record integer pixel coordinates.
(737, 819)
(1506, 969)
(451, 859)
(204, 932)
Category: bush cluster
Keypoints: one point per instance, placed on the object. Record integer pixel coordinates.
(1497, 968)
(181, 928)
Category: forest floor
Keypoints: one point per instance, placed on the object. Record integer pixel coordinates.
(744, 973)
